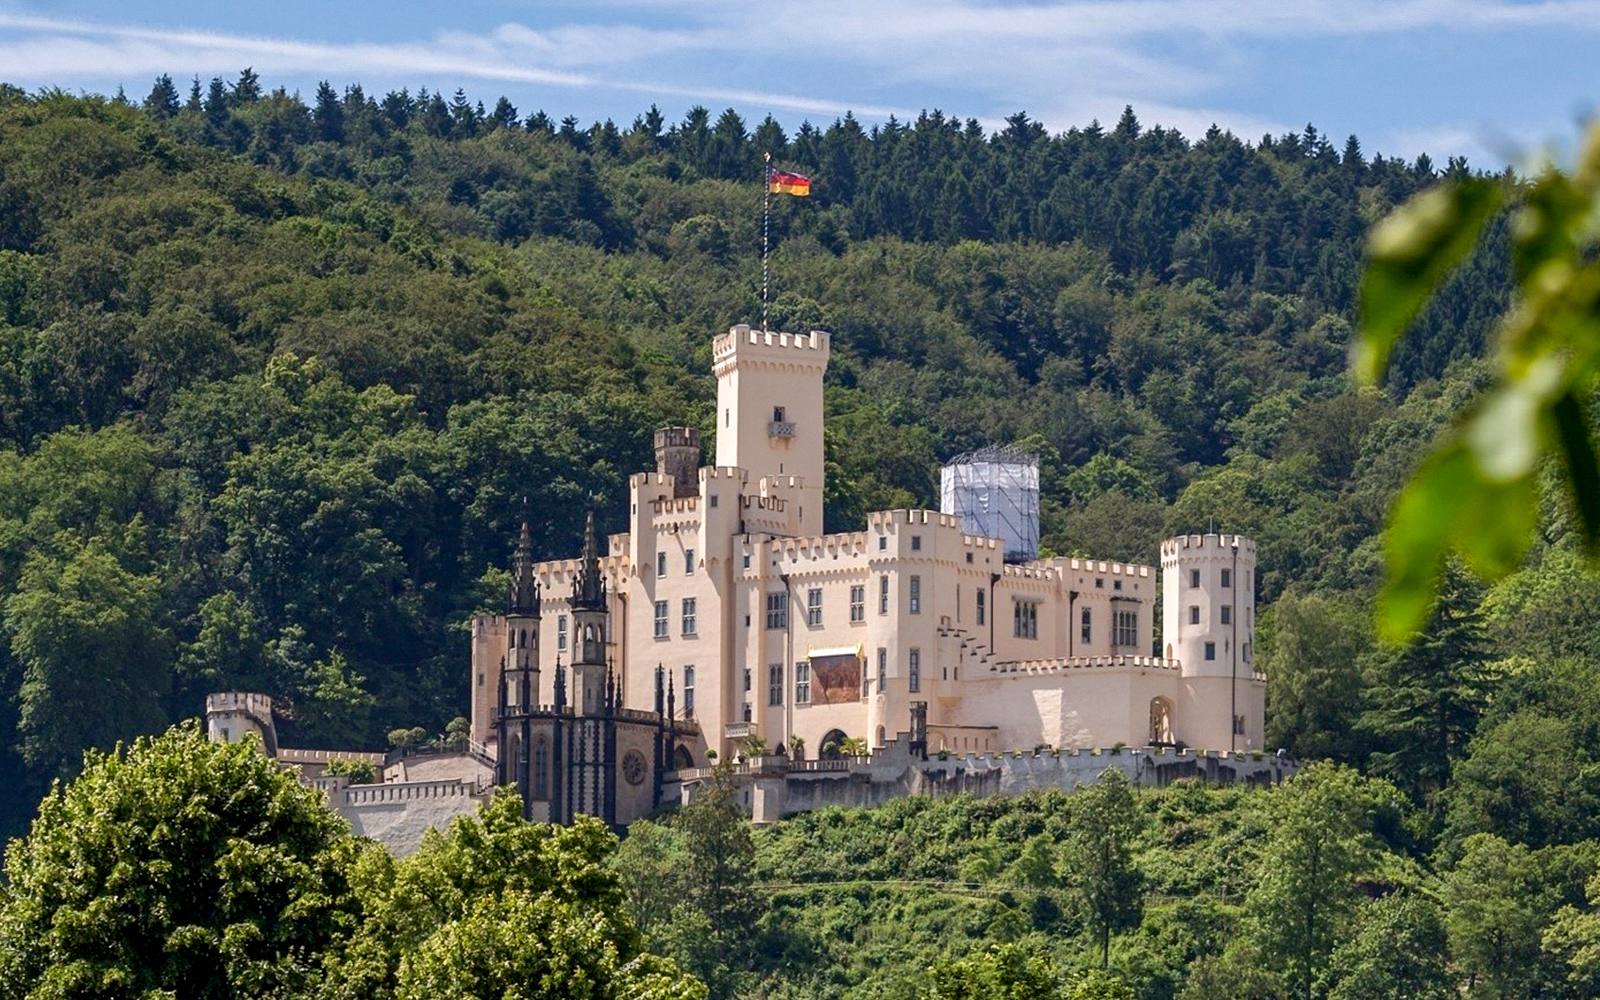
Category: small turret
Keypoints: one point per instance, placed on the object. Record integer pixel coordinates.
(588, 588)
(678, 456)
(522, 600)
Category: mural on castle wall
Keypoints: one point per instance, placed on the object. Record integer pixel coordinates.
(835, 678)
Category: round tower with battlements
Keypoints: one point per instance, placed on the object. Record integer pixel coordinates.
(232, 715)
(1208, 625)
(678, 456)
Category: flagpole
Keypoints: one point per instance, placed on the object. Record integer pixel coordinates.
(766, 212)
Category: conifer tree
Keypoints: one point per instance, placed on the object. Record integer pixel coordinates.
(329, 114)
(163, 100)
(1105, 822)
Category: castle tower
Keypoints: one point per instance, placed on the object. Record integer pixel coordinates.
(678, 456)
(1208, 623)
(590, 614)
(769, 409)
(232, 715)
(522, 621)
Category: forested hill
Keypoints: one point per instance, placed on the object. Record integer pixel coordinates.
(275, 376)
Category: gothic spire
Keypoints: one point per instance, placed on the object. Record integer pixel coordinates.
(588, 589)
(523, 599)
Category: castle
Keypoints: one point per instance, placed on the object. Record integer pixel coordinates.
(923, 654)
(723, 620)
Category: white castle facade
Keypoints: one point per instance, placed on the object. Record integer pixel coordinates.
(761, 626)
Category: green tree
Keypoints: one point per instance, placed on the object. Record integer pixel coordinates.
(1307, 895)
(1398, 952)
(1493, 915)
(1099, 858)
(717, 879)
(1424, 700)
(93, 656)
(1003, 972)
(1310, 650)
(178, 868)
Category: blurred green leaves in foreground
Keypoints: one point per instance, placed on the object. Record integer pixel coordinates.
(1477, 494)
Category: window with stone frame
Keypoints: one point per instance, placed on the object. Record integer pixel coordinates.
(802, 683)
(982, 610)
(883, 593)
(662, 628)
(916, 595)
(690, 617)
(1125, 628)
(914, 671)
(814, 607)
(775, 684)
(778, 609)
(1025, 619)
(858, 603)
(688, 692)
(561, 632)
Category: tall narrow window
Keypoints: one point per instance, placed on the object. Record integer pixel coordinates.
(802, 682)
(1025, 619)
(747, 679)
(914, 671)
(690, 617)
(561, 632)
(661, 564)
(688, 692)
(1125, 628)
(1194, 614)
(981, 609)
(1227, 577)
(1227, 614)
(883, 669)
(916, 595)
(541, 770)
(778, 609)
(1194, 578)
(858, 603)
(883, 594)
(661, 620)
(814, 606)
(1211, 651)
(1086, 626)
(775, 684)
(688, 562)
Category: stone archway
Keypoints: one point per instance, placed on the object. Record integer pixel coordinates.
(828, 749)
(682, 759)
(1160, 722)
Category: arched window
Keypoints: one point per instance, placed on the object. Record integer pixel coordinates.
(523, 639)
(1160, 722)
(828, 749)
(541, 769)
(880, 736)
(682, 759)
(1169, 650)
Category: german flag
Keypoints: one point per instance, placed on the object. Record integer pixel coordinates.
(781, 182)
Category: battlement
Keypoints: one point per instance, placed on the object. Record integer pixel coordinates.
(678, 437)
(244, 702)
(884, 518)
(1028, 571)
(716, 472)
(1071, 663)
(1132, 570)
(741, 340)
(1191, 546)
(681, 505)
(287, 755)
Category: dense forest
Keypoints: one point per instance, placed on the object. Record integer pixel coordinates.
(276, 376)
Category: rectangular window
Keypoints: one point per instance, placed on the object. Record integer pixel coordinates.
(914, 671)
(714, 499)
(802, 683)
(883, 594)
(561, 632)
(1211, 651)
(916, 543)
(775, 684)
(688, 562)
(883, 669)
(916, 595)
(1125, 628)
(748, 712)
(981, 598)
(814, 606)
(661, 620)
(689, 616)
(747, 679)
(883, 542)
(480, 680)
(1227, 577)
(778, 609)
(747, 560)
(1086, 629)
(1099, 583)
(1227, 614)
(1194, 614)
(1238, 725)
(661, 564)
(1116, 584)
(1194, 578)
(1025, 620)
(858, 603)
(688, 692)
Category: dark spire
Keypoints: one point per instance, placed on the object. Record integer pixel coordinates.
(523, 599)
(588, 589)
(561, 685)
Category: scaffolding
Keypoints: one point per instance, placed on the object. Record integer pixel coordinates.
(995, 492)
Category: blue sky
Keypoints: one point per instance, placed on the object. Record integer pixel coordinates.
(1494, 80)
